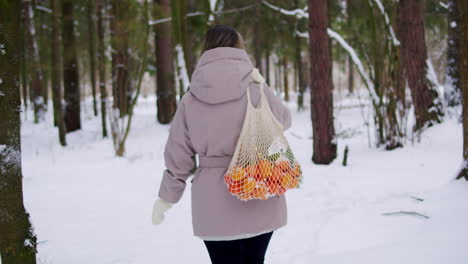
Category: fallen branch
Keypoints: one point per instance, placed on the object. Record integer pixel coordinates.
(407, 213)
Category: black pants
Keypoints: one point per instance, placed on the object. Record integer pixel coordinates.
(241, 251)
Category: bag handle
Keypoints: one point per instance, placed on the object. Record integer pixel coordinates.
(257, 78)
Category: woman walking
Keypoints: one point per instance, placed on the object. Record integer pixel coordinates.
(208, 123)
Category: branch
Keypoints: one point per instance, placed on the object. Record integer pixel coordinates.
(299, 13)
(395, 41)
(407, 213)
(43, 8)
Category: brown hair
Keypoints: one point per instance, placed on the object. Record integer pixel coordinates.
(222, 36)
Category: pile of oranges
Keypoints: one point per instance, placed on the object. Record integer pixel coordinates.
(263, 179)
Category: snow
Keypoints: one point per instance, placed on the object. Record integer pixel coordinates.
(444, 5)
(395, 41)
(212, 8)
(182, 67)
(88, 206)
(11, 157)
(453, 24)
(357, 62)
(299, 13)
(2, 49)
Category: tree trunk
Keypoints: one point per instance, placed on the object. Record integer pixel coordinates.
(285, 78)
(300, 76)
(324, 142)
(24, 71)
(71, 81)
(165, 86)
(452, 75)
(257, 38)
(17, 241)
(102, 63)
(56, 62)
(350, 76)
(34, 65)
(120, 56)
(267, 68)
(463, 48)
(423, 91)
(92, 50)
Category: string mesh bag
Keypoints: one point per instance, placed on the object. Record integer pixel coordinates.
(263, 164)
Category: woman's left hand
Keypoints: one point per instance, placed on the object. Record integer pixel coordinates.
(159, 209)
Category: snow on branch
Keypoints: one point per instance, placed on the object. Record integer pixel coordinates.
(444, 5)
(45, 9)
(299, 13)
(407, 213)
(395, 41)
(183, 75)
(357, 62)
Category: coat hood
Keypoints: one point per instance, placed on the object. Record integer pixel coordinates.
(222, 74)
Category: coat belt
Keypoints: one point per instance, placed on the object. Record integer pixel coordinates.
(214, 161)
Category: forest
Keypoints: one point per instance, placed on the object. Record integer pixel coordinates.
(378, 90)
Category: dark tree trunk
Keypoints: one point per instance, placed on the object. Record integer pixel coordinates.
(285, 78)
(101, 57)
(92, 50)
(427, 109)
(17, 241)
(258, 38)
(267, 68)
(120, 55)
(463, 7)
(165, 86)
(56, 62)
(24, 71)
(350, 76)
(300, 76)
(453, 95)
(71, 81)
(324, 143)
(189, 42)
(34, 62)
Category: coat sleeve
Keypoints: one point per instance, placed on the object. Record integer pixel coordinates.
(179, 158)
(279, 109)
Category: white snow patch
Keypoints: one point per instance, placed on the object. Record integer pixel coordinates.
(11, 157)
(453, 24)
(299, 13)
(183, 75)
(2, 49)
(444, 5)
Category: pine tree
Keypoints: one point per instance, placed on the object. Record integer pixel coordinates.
(17, 241)
(463, 51)
(324, 144)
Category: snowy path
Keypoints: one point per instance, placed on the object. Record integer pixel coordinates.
(89, 207)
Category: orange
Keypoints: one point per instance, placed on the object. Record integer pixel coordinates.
(237, 173)
(281, 191)
(296, 171)
(283, 165)
(276, 174)
(249, 185)
(273, 186)
(227, 178)
(265, 168)
(288, 181)
(260, 192)
(234, 188)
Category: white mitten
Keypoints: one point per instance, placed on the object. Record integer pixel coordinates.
(256, 76)
(159, 209)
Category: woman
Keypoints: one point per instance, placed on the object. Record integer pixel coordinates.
(208, 123)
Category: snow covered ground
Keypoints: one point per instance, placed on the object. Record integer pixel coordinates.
(88, 206)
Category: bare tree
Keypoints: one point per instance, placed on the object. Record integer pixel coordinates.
(452, 74)
(101, 57)
(463, 51)
(427, 107)
(34, 62)
(17, 241)
(92, 50)
(56, 62)
(71, 81)
(324, 144)
(165, 86)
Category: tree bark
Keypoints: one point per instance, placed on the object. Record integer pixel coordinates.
(300, 76)
(453, 94)
(34, 65)
(120, 55)
(324, 144)
(17, 241)
(426, 107)
(101, 57)
(92, 50)
(258, 38)
(285, 78)
(463, 51)
(71, 81)
(56, 62)
(165, 86)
